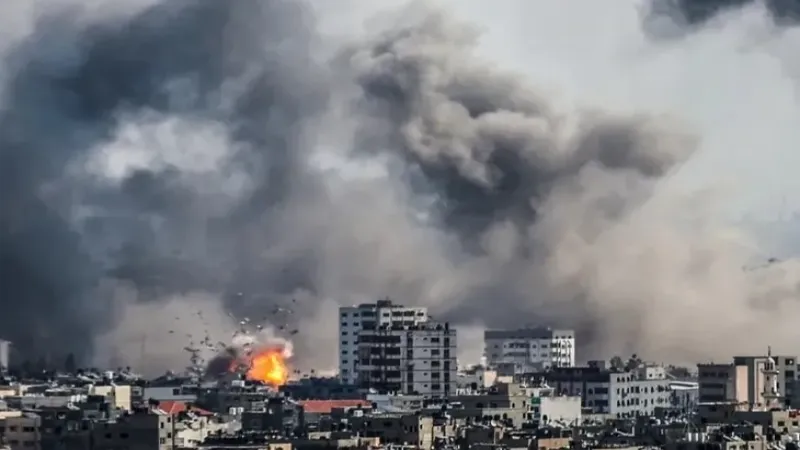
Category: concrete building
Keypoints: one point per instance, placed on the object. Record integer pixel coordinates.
(742, 381)
(510, 403)
(475, 379)
(369, 316)
(410, 359)
(412, 430)
(685, 395)
(170, 393)
(563, 410)
(722, 383)
(22, 431)
(530, 349)
(320, 388)
(150, 429)
(621, 394)
(233, 399)
(275, 415)
(786, 375)
(119, 395)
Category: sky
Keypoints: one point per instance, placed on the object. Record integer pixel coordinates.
(734, 80)
(356, 150)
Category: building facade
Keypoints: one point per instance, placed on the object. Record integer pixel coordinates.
(530, 349)
(623, 394)
(786, 368)
(742, 381)
(409, 359)
(369, 316)
(721, 383)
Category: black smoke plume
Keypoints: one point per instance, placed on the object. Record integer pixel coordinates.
(170, 171)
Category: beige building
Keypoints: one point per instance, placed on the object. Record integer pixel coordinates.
(743, 381)
(722, 383)
(120, 396)
(786, 368)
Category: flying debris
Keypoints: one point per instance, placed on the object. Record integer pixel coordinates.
(768, 263)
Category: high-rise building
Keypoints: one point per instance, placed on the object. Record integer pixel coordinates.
(369, 316)
(530, 349)
(409, 359)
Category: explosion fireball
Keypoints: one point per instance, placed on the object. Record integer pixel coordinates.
(267, 365)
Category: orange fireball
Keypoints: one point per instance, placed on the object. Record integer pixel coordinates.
(268, 366)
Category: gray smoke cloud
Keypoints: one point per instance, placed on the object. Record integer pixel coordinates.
(696, 12)
(171, 167)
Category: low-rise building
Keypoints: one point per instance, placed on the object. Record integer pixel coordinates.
(621, 394)
(22, 431)
(530, 349)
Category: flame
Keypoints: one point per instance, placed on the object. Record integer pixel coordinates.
(269, 366)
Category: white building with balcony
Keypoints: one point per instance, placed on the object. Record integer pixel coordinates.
(409, 359)
(369, 316)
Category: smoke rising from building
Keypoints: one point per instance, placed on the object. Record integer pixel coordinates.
(162, 158)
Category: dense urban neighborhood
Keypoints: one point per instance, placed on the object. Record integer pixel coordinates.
(400, 386)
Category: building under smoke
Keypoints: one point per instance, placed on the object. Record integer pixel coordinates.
(529, 349)
(354, 320)
(5, 354)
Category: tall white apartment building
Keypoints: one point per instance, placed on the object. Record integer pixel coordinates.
(530, 349)
(369, 316)
(409, 359)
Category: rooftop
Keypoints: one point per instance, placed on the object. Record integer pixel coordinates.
(175, 407)
(326, 406)
(527, 333)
